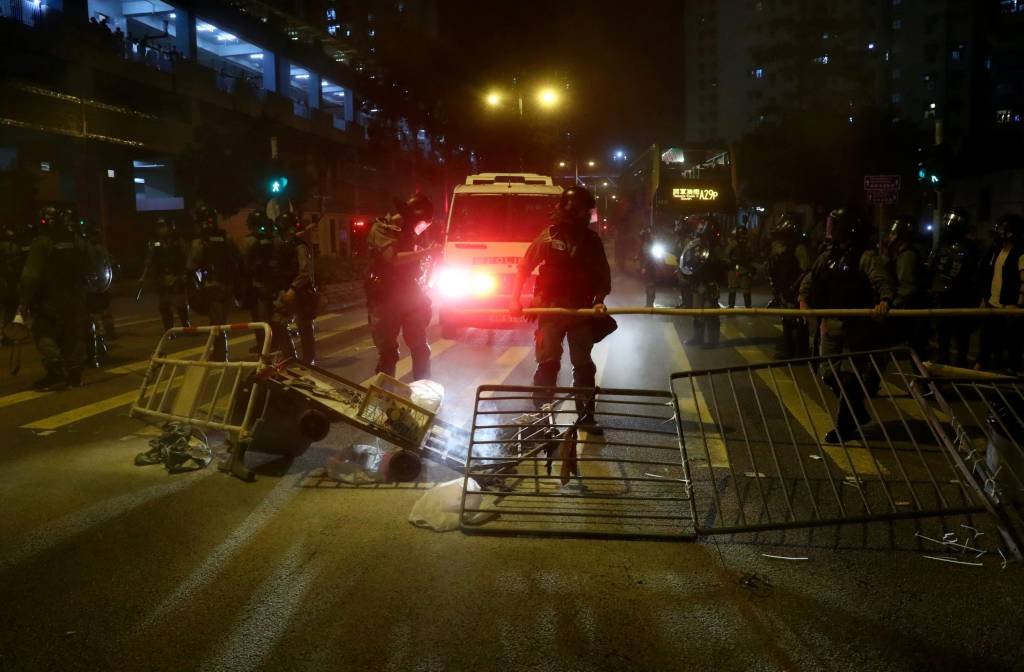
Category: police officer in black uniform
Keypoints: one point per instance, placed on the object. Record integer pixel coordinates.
(99, 297)
(788, 260)
(11, 260)
(703, 264)
(263, 260)
(165, 271)
(849, 274)
(299, 298)
(574, 273)
(954, 267)
(740, 258)
(53, 290)
(214, 261)
(396, 296)
(1003, 288)
(906, 267)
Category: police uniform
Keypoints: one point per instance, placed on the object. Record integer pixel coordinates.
(574, 273)
(396, 300)
(53, 287)
(906, 268)
(788, 260)
(702, 262)
(849, 279)
(263, 257)
(11, 260)
(215, 256)
(164, 272)
(954, 270)
(740, 258)
(300, 271)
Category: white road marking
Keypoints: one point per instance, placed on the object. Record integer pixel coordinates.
(61, 530)
(404, 366)
(266, 617)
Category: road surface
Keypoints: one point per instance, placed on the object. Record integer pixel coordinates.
(104, 565)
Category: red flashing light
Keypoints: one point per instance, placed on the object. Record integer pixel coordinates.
(358, 224)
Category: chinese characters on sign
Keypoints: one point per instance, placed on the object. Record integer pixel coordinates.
(694, 194)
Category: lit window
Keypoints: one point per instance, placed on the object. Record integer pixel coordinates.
(1004, 116)
(44, 166)
(822, 59)
(111, 173)
(897, 24)
(758, 73)
(332, 29)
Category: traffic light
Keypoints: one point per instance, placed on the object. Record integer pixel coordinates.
(933, 165)
(358, 230)
(277, 185)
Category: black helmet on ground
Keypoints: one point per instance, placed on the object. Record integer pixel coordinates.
(787, 228)
(955, 224)
(577, 202)
(417, 208)
(846, 228)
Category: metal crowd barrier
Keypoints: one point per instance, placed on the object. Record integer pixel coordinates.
(914, 446)
(627, 483)
(203, 392)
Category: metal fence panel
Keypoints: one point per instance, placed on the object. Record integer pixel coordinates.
(630, 481)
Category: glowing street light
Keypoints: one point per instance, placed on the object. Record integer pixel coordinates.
(591, 164)
(561, 164)
(548, 98)
(619, 155)
(493, 99)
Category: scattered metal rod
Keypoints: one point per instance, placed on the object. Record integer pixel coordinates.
(954, 562)
(782, 557)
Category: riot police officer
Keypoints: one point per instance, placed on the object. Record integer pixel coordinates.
(263, 260)
(740, 258)
(299, 298)
(788, 260)
(1003, 287)
(658, 256)
(849, 275)
(684, 230)
(99, 297)
(574, 273)
(11, 258)
(214, 262)
(396, 298)
(954, 268)
(906, 267)
(165, 271)
(703, 264)
(53, 291)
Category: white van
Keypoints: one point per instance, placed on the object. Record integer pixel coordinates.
(492, 220)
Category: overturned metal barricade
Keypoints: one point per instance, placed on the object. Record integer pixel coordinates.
(204, 392)
(627, 483)
(754, 448)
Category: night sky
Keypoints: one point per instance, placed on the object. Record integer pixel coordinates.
(624, 60)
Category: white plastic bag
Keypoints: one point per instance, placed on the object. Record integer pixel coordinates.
(438, 508)
(427, 394)
(357, 464)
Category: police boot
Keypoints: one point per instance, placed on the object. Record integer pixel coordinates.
(52, 381)
(732, 299)
(747, 299)
(75, 377)
(698, 334)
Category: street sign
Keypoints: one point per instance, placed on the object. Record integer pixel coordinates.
(882, 189)
(882, 183)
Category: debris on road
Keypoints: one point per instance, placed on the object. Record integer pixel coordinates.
(180, 448)
(955, 562)
(783, 557)
(438, 508)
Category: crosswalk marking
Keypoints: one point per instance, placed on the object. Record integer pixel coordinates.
(19, 397)
(851, 460)
(89, 410)
(697, 405)
(404, 366)
(507, 363)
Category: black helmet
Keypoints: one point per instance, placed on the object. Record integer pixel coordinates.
(787, 228)
(206, 217)
(417, 208)
(259, 224)
(1010, 228)
(846, 228)
(955, 224)
(288, 223)
(576, 201)
(902, 228)
(50, 217)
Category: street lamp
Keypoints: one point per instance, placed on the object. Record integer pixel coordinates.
(561, 164)
(493, 99)
(548, 97)
(591, 164)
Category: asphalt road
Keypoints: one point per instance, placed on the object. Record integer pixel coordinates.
(104, 565)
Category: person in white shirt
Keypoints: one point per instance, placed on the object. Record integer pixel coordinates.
(1004, 288)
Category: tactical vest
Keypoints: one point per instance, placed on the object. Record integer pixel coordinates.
(839, 283)
(566, 280)
(216, 258)
(168, 257)
(784, 271)
(953, 267)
